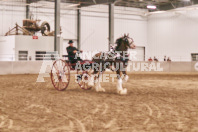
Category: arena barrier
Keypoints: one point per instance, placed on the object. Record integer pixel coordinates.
(35, 67)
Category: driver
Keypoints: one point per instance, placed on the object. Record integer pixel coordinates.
(71, 50)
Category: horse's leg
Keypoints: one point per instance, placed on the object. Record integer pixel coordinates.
(120, 89)
(126, 77)
(98, 86)
(92, 78)
(98, 69)
(123, 67)
(96, 79)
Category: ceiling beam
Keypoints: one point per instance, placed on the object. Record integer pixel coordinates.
(161, 4)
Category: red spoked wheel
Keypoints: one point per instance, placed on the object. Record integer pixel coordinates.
(82, 78)
(60, 75)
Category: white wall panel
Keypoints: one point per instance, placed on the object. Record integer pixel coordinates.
(132, 21)
(11, 45)
(26, 43)
(137, 29)
(173, 34)
(94, 31)
(69, 24)
(7, 48)
(94, 34)
(94, 24)
(9, 16)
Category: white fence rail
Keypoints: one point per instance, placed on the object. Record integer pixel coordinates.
(25, 57)
(16, 57)
(34, 67)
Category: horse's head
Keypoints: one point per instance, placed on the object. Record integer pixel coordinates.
(124, 43)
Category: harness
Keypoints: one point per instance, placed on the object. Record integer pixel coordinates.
(112, 56)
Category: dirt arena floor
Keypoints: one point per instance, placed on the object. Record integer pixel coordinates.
(155, 102)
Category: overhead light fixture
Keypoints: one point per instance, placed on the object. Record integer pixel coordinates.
(185, 0)
(151, 7)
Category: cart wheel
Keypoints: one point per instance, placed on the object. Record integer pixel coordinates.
(82, 78)
(60, 75)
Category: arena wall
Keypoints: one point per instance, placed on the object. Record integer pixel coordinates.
(11, 45)
(95, 26)
(10, 15)
(94, 23)
(174, 34)
(161, 33)
(7, 48)
(35, 67)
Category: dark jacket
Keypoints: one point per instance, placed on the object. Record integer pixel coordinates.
(71, 54)
(70, 51)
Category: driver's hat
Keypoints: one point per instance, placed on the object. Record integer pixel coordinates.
(70, 41)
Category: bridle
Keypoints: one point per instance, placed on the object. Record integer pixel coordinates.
(129, 41)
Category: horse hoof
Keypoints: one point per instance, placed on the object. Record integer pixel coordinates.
(122, 91)
(100, 90)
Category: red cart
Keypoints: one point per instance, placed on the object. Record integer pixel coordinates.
(61, 69)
